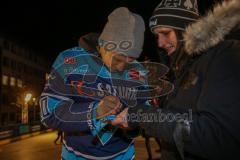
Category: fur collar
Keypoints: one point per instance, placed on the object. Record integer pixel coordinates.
(210, 30)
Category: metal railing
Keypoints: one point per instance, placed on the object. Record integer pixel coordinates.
(20, 129)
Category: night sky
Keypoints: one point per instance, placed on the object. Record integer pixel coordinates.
(50, 27)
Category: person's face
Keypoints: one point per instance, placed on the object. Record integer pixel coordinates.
(166, 39)
(114, 61)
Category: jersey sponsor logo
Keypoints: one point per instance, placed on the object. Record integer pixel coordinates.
(70, 60)
(127, 93)
(136, 75)
(78, 85)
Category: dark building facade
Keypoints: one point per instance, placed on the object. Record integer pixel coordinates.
(22, 72)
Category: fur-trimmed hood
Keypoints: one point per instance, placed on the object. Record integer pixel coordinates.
(210, 30)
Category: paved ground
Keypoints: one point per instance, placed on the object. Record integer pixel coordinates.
(41, 147)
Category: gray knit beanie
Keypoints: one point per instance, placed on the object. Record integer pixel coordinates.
(123, 33)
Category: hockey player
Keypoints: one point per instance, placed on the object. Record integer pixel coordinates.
(88, 82)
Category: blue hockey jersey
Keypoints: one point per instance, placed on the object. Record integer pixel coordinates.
(76, 84)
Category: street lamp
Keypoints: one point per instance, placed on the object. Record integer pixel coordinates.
(27, 98)
(34, 108)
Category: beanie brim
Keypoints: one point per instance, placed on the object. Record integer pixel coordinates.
(175, 22)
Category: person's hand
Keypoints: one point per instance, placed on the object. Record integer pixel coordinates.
(121, 119)
(109, 105)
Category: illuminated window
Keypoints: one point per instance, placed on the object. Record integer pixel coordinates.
(12, 81)
(4, 80)
(19, 83)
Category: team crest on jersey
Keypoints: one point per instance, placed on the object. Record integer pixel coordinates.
(134, 74)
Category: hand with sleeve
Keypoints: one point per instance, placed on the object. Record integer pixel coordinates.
(109, 105)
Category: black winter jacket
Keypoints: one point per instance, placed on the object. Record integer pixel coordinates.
(201, 119)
